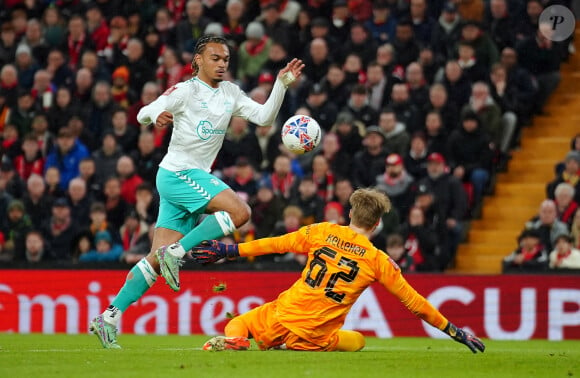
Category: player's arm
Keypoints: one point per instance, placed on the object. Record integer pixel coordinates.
(392, 279)
(265, 114)
(212, 250)
(160, 112)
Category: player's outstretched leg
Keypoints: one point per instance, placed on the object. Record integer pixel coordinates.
(219, 343)
(107, 333)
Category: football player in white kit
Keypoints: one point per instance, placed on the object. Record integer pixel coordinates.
(200, 110)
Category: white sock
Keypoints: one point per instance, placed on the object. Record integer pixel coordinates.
(176, 250)
(112, 315)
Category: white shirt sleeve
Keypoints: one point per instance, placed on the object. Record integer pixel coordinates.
(263, 115)
(170, 101)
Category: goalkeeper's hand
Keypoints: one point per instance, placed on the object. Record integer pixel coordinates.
(210, 251)
(464, 337)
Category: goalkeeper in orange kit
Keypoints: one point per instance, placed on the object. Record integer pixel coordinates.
(342, 263)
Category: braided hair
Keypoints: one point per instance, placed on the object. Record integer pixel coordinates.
(200, 47)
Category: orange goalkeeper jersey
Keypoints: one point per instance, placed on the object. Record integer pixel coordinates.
(341, 265)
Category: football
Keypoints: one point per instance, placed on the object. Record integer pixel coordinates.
(301, 134)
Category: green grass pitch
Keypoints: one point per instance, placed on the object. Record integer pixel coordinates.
(41, 356)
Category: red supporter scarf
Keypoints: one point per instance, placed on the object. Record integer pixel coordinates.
(282, 185)
(74, 50)
(529, 255)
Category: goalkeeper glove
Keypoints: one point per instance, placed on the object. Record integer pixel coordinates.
(210, 251)
(464, 337)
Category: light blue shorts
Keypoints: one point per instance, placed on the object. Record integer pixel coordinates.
(184, 195)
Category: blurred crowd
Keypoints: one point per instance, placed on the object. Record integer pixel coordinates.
(551, 239)
(422, 99)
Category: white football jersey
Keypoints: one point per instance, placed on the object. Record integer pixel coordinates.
(201, 115)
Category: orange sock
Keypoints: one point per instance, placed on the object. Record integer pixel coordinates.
(349, 341)
(236, 328)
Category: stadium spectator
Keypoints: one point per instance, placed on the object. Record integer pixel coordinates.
(147, 205)
(22, 115)
(130, 180)
(106, 156)
(529, 256)
(359, 106)
(76, 41)
(320, 107)
(26, 66)
(43, 137)
(396, 137)
(239, 141)
(13, 182)
(18, 225)
(396, 183)
(121, 92)
(470, 155)
(386, 59)
(36, 204)
(97, 27)
(382, 24)
(169, 71)
(306, 198)
(191, 27)
(125, 134)
(395, 248)
(242, 180)
(35, 247)
(8, 43)
(488, 112)
(574, 146)
(149, 93)
(354, 69)
(446, 33)
(53, 25)
(83, 88)
(98, 222)
(547, 224)
(132, 229)
(87, 172)
(9, 84)
(340, 162)
(456, 83)
(415, 159)
(379, 86)
(564, 255)
(252, 55)
(324, 177)
(522, 83)
(66, 156)
(78, 130)
(42, 91)
(418, 86)
(420, 242)
(59, 231)
(11, 144)
(62, 110)
(528, 25)
(30, 161)
(405, 44)
(342, 191)
(52, 179)
(407, 112)
(436, 134)
(542, 57)
(350, 133)
(79, 202)
(115, 205)
(141, 248)
(360, 42)
(105, 249)
(449, 205)
(333, 213)
(266, 211)
(565, 205)
(472, 68)
(370, 162)
(98, 69)
(423, 24)
(570, 175)
(147, 157)
(501, 24)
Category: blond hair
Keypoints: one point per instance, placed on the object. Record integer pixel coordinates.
(368, 206)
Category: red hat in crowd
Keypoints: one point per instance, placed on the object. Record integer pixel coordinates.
(122, 72)
(394, 159)
(334, 205)
(436, 157)
(265, 77)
